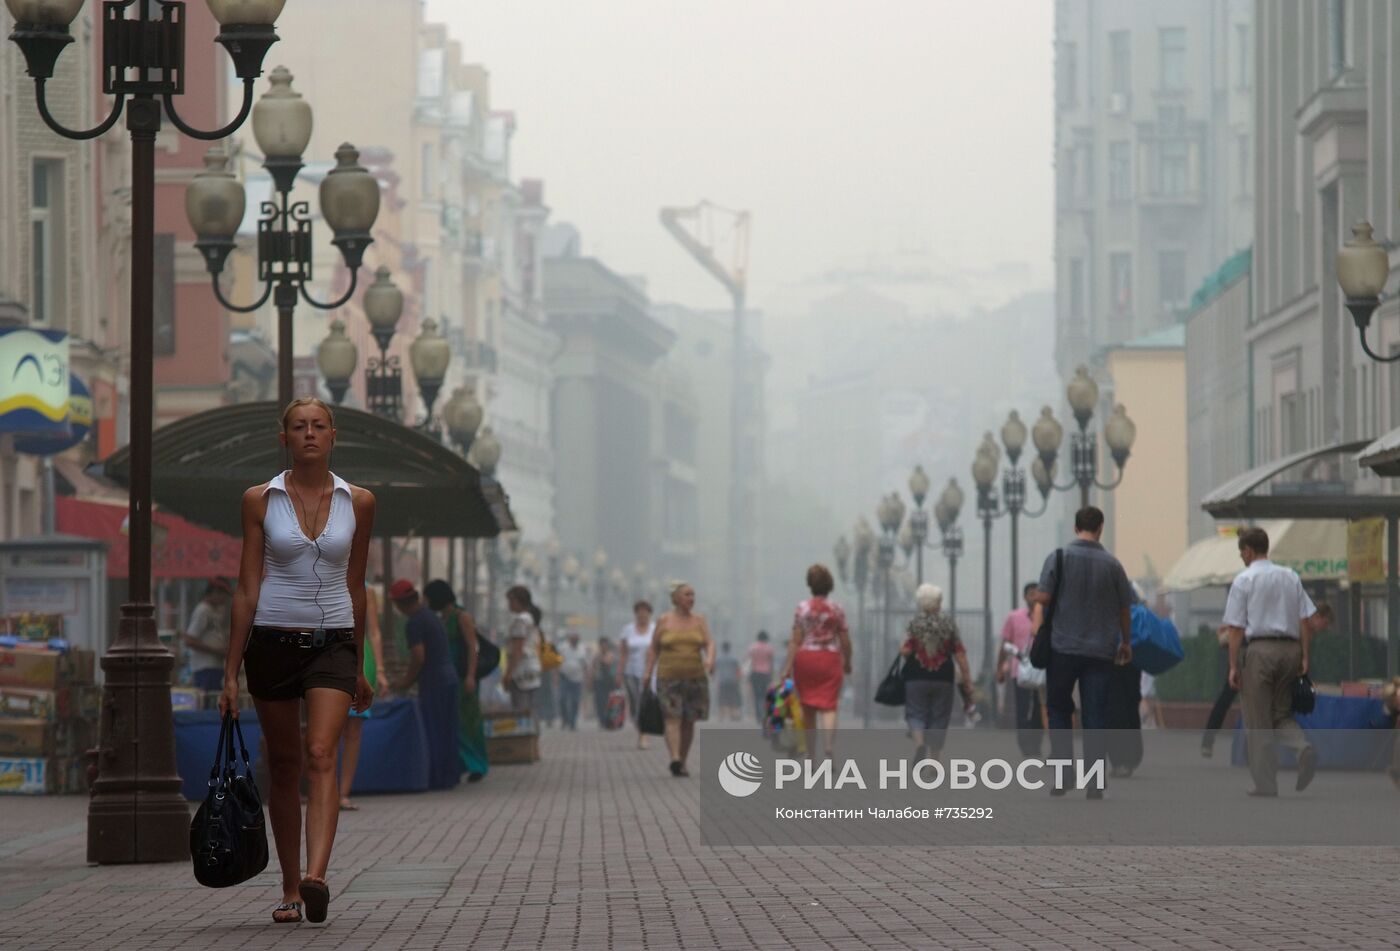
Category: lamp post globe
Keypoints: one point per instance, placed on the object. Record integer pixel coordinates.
(919, 485)
(600, 560)
(1363, 268)
(336, 358)
(842, 551)
(1013, 436)
(463, 415)
(1044, 478)
(350, 204)
(1119, 432)
(429, 354)
(246, 12)
(1083, 395)
(571, 568)
(984, 470)
(214, 204)
(552, 548)
(1047, 434)
(48, 14)
(383, 303)
(282, 124)
(952, 499)
(486, 452)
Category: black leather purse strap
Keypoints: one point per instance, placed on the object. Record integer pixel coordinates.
(1055, 592)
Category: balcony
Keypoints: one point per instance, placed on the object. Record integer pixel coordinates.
(478, 356)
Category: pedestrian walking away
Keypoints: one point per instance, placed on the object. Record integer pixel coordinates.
(462, 647)
(606, 676)
(682, 655)
(932, 648)
(1016, 633)
(206, 635)
(430, 667)
(635, 642)
(523, 637)
(727, 684)
(1319, 621)
(298, 624)
(1269, 616)
(355, 726)
(571, 673)
(818, 658)
(760, 675)
(1090, 633)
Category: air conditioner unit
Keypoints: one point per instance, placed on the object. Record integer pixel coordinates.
(1118, 103)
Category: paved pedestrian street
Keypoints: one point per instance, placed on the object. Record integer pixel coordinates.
(597, 846)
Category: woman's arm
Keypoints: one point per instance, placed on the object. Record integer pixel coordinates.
(467, 625)
(709, 647)
(653, 650)
(845, 636)
(245, 596)
(794, 644)
(363, 501)
(376, 640)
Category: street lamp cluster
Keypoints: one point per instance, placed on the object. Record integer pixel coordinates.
(995, 499)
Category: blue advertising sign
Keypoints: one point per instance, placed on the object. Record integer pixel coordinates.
(34, 385)
(80, 419)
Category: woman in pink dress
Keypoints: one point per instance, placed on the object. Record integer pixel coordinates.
(818, 656)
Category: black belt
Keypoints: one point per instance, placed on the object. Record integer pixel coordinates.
(313, 638)
(1269, 637)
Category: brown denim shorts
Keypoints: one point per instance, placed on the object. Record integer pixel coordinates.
(284, 671)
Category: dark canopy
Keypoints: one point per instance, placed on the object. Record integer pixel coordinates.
(202, 464)
(1315, 483)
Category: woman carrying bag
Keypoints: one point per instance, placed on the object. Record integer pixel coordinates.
(298, 623)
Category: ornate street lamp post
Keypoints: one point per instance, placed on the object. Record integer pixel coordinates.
(1119, 433)
(429, 355)
(383, 303)
(1363, 269)
(552, 553)
(864, 550)
(462, 416)
(600, 583)
(984, 473)
(890, 514)
(214, 204)
(336, 358)
(918, 519)
(136, 813)
(945, 513)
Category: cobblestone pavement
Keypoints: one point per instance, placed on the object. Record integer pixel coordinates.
(597, 846)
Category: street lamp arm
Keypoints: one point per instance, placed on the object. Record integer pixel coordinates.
(1366, 347)
(229, 305)
(1044, 507)
(343, 299)
(42, 101)
(223, 133)
(1112, 485)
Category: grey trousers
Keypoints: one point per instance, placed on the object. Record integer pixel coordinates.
(1266, 682)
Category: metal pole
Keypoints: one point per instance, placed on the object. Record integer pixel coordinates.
(987, 666)
(285, 296)
(953, 585)
(136, 813)
(1392, 595)
(1015, 559)
(919, 561)
(865, 659)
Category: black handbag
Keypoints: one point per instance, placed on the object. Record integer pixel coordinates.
(228, 837)
(891, 689)
(488, 658)
(649, 718)
(1040, 644)
(1304, 696)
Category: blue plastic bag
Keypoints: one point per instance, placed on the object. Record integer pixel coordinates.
(1156, 643)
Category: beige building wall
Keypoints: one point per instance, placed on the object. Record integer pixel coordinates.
(1146, 530)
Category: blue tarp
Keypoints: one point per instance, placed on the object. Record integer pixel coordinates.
(393, 751)
(1347, 732)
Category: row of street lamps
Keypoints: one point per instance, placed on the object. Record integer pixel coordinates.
(855, 561)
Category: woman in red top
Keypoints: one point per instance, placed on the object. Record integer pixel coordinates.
(818, 656)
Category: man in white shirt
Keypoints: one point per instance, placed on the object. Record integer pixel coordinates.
(575, 661)
(1267, 614)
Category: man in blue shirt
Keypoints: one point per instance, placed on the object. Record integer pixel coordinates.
(1090, 632)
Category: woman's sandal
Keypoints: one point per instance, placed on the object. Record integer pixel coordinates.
(347, 806)
(290, 906)
(317, 898)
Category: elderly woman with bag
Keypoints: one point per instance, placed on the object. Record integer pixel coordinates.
(818, 658)
(931, 650)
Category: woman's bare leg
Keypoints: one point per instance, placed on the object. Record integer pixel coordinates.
(327, 709)
(673, 738)
(350, 756)
(280, 721)
(826, 720)
(687, 738)
(809, 726)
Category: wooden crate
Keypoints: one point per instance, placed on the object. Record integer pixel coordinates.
(509, 750)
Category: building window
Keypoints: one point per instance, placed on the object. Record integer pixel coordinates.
(1076, 290)
(428, 189)
(1293, 422)
(1171, 280)
(1120, 268)
(682, 435)
(1337, 36)
(1120, 64)
(1171, 119)
(1120, 171)
(1067, 78)
(1172, 167)
(1244, 78)
(46, 232)
(1171, 51)
(1084, 172)
(1243, 163)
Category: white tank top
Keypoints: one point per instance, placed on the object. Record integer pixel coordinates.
(303, 585)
